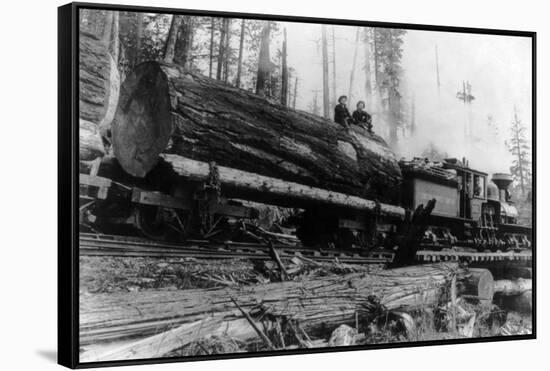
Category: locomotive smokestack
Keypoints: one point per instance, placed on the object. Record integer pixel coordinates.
(502, 181)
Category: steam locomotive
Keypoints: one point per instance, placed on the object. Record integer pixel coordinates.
(470, 209)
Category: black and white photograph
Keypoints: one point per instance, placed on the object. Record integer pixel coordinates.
(255, 185)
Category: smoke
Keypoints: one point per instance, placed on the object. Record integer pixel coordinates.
(499, 71)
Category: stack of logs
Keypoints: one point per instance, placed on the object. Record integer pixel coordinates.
(167, 320)
(513, 287)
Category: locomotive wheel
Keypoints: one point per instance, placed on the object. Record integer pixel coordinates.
(151, 222)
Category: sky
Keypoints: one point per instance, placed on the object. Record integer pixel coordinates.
(497, 67)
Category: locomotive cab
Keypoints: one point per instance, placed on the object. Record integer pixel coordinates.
(472, 189)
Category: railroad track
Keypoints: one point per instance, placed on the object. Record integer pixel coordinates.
(436, 256)
(113, 245)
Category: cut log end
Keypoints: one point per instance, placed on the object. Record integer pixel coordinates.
(481, 284)
(142, 125)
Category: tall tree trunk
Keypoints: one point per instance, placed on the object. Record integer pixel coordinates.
(353, 64)
(394, 103)
(284, 75)
(184, 42)
(375, 54)
(326, 98)
(107, 29)
(295, 93)
(334, 94)
(264, 63)
(368, 71)
(227, 50)
(240, 61)
(221, 50)
(169, 49)
(139, 35)
(211, 59)
(519, 151)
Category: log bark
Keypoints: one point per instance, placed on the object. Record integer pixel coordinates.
(318, 306)
(90, 142)
(99, 82)
(237, 184)
(507, 270)
(519, 303)
(166, 109)
(513, 287)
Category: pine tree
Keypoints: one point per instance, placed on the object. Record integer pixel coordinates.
(353, 64)
(326, 98)
(227, 50)
(520, 149)
(240, 59)
(284, 73)
(184, 42)
(367, 38)
(388, 71)
(264, 63)
(221, 50)
(211, 54)
(170, 46)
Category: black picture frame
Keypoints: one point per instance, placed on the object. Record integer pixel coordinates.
(68, 137)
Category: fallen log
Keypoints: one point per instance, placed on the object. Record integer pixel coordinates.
(344, 335)
(238, 183)
(512, 287)
(316, 305)
(99, 82)
(166, 109)
(506, 269)
(519, 303)
(480, 284)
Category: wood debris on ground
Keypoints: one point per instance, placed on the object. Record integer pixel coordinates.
(317, 305)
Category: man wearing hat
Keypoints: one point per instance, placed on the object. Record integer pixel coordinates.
(341, 113)
(362, 117)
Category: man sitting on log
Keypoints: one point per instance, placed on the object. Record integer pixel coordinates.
(362, 117)
(341, 113)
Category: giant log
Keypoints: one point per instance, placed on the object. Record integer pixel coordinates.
(99, 83)
(164, 109)
(174, 318)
